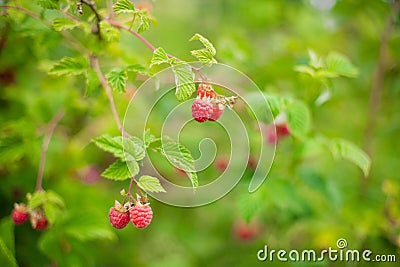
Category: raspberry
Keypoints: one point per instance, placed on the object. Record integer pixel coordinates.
(141, 215)
(217, 112)
(202, 110)
(42, 224)
(19, 215)
(118, 219)
(38, 220)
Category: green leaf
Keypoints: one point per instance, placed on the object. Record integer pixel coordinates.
(123, 6)
(119, 170)
(193, 179)
(133, 148)
(117, 80)
(7, 233)
(250, 204)
(53, 197)
(127, 149)
(204, 56)
(144, 24)
(70, 66)
(315, 61)
(110, 33)
(150, 184)
(340, 64)
(138, 69)
(344, 149)
(109, 144)
(184, 80)
(305, 69)
(159, 57)
(92, 82)
(6, 256)
(277, 104)
(207, 44)
(52, 211)
(62, 24)
(181, 158)
(86, 227)
(298, 118)
(37, 199)
(48, 4)
(149, 138)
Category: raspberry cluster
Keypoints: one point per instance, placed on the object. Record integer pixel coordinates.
(208, 104)
(21, 213)
(140, 214)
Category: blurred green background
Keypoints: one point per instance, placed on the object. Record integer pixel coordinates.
(309, 199)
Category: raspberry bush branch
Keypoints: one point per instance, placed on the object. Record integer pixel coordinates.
(46, 141)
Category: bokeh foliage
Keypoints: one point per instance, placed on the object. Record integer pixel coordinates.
(309, 200)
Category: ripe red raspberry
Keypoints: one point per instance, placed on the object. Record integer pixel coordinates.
(118, 219)
(42, 224)
(141, 215)
(202, 110)
(19, 215)
(217, 112)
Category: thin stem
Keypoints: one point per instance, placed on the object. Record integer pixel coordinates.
(94, 61)
(130, 185)
(92, 6)
(47, 137)
(138, 36)
(23, 10)
(377, 85)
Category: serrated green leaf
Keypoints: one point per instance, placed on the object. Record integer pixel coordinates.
(92, 82)
(298, 118)
(181, 158)
(344, 149)
(109, 144)
(137, 68)
(184, 80)
(127, 149)
(204, 56)
(123, 6)
(117, 80)
(63, 24)
(70, 66)
(119, 170)
(37, 199)
(341, 65)
(207, 44)
(144, 24)
(48, 4)
(150, 184)
(193, 179)
(159, 57)
(133, 148)
(110, 33)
